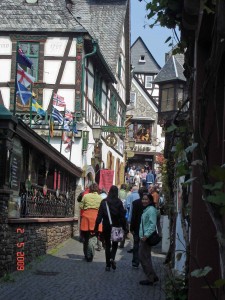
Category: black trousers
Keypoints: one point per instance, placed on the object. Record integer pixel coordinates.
(110, 247)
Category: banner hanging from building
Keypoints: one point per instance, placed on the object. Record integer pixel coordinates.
(106, 179)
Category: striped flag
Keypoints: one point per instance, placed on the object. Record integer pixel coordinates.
(68, 115)
(66, 126)
(24, 78)
(58, 100)
(56, 115)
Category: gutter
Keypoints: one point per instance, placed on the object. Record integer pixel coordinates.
(83, 72)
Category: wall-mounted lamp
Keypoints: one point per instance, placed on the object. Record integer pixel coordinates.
(96, 131)
(132, 143)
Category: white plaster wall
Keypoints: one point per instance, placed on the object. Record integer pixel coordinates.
(5, 70)
(90, 87)
(68, 76)
(5, 45)
(73, 48)
(55, 46)
(47, 93)
(5, 91)
(51, 70)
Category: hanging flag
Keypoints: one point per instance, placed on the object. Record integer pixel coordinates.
(23, 93)
(58, 100)
(66, 126)
(23, 59)
(51, 127)
(67, 140)
(69, 146)
(37, 108)
(56, 115)
(68, 115)
(24, 78)
(74, 128)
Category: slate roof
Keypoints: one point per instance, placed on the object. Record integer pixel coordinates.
(104, 20)
(150, 66)
(172, 70)
(46, 15)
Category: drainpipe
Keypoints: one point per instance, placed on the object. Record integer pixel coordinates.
(83, 73)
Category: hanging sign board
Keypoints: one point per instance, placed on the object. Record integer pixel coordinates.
(114, 129)
(106, 179)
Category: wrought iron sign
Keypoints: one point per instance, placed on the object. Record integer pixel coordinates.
(111, 140)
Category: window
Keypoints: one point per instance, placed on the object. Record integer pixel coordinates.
(119, 67)
(113, 108)
(148, 82)
(132, 98)
(142, 58)
(140, 131)
(85, 139)
(98, 90)
(167, 99)
(31, 50)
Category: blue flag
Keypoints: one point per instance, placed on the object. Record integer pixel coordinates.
(23, 93)
(37, 108)
(74, 128)
(23, 60)
(56, 115)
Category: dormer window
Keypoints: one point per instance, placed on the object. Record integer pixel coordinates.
(31, 1)
(142, 58)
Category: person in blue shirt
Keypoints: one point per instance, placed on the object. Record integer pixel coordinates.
(150, 179)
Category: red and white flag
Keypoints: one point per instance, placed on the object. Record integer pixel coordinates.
(24, 78)
(68, 115)
(58, 100)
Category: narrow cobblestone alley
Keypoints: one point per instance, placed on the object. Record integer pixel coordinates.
(65, 275)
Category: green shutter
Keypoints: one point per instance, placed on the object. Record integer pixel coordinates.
(85, 139)
(98, 90)
(119, 67)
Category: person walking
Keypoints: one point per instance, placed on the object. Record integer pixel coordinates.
(150, 179)
(117, 213)
(123, 196)
(90, 204)
(135, 225)
(153, 191)
(134, 195)
(147, 227)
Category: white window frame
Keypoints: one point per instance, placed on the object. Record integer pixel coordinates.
(148, 85)
(142, 60)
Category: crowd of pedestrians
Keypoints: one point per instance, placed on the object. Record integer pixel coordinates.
(134, 207)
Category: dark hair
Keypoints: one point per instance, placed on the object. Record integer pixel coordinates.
(150, 198)
(142, 191)
(123, 186)
(94, 188)
(113, 192)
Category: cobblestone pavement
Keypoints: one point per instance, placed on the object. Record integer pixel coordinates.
(65, 275)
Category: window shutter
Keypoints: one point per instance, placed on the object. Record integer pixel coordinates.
(85, 139)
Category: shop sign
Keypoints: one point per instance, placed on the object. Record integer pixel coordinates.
(114, 129)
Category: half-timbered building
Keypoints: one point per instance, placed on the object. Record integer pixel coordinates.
(80, 51)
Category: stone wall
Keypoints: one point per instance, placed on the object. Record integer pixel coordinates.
(38, 237)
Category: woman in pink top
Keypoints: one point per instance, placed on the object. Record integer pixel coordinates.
(143, 176)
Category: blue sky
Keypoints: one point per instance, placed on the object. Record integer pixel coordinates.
(153, 38)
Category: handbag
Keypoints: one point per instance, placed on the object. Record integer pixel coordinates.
(117, 233)
(153, 239)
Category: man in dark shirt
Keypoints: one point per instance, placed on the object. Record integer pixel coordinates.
(135, 224)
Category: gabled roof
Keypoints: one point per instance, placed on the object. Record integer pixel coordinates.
(104, 20)
(150, 65)
(46, 15)
(172, 70)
